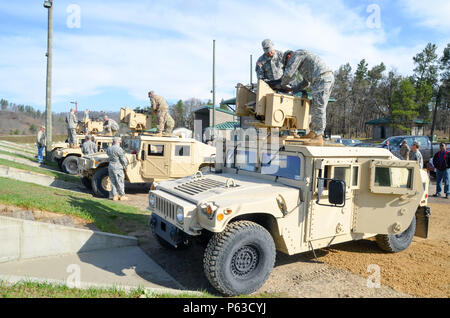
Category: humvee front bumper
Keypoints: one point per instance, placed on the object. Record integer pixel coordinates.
(167, 231)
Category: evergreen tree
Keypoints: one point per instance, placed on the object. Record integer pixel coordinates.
(404, 107)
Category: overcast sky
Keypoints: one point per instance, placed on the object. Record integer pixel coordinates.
(109, 54)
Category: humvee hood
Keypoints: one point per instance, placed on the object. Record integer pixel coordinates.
(223, 188)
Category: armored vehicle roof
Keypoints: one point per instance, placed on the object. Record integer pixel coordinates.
(333, 151)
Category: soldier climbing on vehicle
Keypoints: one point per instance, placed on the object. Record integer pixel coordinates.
(165, 121)
(320, 78)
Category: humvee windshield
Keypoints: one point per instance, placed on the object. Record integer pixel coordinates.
(272, 163)
(131, 145)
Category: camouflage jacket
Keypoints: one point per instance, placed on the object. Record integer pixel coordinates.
(89, 147)
(111, 125)
(271, 68)
(308, 64)
(41, 139)
(416, 156)
(158, 103)
(117, 160)
(71, 120)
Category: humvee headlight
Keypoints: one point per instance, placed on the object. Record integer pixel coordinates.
(152, 200)
(180, 215)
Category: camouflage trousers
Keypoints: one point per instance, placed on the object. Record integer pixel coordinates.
(71, 136)
(321, 90)
(165, 122)
(117, 178)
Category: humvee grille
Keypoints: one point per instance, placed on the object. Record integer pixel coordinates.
(200, 185)
(166, 207)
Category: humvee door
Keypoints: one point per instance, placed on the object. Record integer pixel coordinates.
(181, 163)
(388, 198)
(155, 159)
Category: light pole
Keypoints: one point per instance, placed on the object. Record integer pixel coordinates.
(214, 91)
(48, 96)
(76, 106)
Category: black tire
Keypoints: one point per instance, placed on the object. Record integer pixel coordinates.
(394, 243)
(53, 154)
(98, 183)
(70, 165)
(59, 162)
(240, 259)
(87, 182)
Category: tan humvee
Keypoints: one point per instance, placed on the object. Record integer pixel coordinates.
(67, 158)
(290, 198)
(149, 159)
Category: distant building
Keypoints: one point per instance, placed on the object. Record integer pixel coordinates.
(382, 128)
(205, 115)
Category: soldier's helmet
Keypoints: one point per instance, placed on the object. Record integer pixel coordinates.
(267, 45)
(116, 139)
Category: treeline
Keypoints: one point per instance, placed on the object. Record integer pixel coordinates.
(35, 113)
(371, 93)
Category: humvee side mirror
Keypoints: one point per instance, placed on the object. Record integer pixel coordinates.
(336, 192)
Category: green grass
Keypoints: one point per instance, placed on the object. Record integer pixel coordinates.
(107, 215)
(47, 290)
(28, 289)
(57, 175)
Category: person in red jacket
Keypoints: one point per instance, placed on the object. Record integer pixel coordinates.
(441, 163)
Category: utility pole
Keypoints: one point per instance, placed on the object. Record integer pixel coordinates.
(48, 96)
(214, 91)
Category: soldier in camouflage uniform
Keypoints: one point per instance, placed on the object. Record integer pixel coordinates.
(89, 147)
(165, 121)
(269, 66)
(318, 75)
(110, 126)
(117, 164)
(72, 123)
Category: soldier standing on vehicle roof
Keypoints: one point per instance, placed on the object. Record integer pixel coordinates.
(165, 121)
(117, 164)
(269, 66)
(110, 126)
(72, 123)
(318, 75)
(89, 147)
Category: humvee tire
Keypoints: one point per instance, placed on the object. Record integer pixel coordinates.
(394, 243)
(70, 165)
(101, 185)
(87, 182)
(240, 259)
(53, 154)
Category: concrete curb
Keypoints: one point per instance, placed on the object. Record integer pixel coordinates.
(40, 179)
(18, 147)
(20, 160)
(23, 239)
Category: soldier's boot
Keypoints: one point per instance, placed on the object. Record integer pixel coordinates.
(309, 135)
(123, 198)
(115, 198)
(316, 141)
